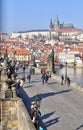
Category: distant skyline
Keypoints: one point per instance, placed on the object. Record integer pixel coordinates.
(25, 15)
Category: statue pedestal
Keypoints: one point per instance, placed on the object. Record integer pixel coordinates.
(8, 93)
(14, 92)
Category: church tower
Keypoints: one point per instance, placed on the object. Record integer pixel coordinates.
(51, 25)
(50, 28)
(56, 24)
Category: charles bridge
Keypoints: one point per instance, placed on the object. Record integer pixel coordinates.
(14, 109)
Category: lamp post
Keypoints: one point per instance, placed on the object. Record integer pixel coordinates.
(53, 69)
(65, 69)
(33, 59)
(37, 103)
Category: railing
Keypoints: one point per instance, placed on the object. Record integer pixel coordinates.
(25, 122)
(58, 78)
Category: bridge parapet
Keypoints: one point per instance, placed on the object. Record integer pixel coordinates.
(14, 115)
(24, 117)
(58, 78)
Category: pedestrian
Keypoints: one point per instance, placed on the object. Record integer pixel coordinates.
(43, 78)
(33, 70)
(29, 77)
(32, 110)
(65, 80)
(46, 78)
(30, 70)
(35, 119)
(68, 81)
(62, 79)
(23, 69)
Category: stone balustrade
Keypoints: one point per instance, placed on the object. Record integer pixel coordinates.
(14, 115)
(24, 118)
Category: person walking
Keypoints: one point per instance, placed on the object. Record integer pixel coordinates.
(68, 81)
(29, 77)
(33, 70)
(46, 78)
(24, 69)
(62, 79)
(43, 78)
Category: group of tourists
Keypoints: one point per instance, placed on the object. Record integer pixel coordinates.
(35, 115)
(45, 76)
(65, 80)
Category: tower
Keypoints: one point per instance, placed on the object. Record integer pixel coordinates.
(51, 25)
(56, 24)
(50, 28)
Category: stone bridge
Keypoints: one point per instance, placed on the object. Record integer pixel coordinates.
(13, 113)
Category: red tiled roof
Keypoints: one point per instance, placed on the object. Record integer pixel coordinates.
(17, 50)
(45, 58)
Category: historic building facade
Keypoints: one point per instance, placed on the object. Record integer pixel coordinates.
(55, 29)
(64, 29)
(56, 25)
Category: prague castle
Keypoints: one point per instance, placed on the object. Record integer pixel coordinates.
(55, 29)
(56, 25)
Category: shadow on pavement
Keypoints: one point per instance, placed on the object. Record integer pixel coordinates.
(44, 95)
(50, 83)
(79, 127)
(29, 86)
(52, 121)
(27, 102)
(47, 115)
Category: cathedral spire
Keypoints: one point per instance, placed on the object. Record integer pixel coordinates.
(56, 24)
(57, 18)
(51, 24)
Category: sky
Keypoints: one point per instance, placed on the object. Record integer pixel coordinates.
(26, 15)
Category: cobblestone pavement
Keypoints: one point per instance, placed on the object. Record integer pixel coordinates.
(61, 106)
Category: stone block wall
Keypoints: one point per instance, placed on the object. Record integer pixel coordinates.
(25, 122)
(14, 115)
(9, 116)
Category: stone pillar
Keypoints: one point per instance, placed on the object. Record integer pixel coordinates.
(50, 63)
(8, 93)
(14, 92)
(9, 115)
(4, 85)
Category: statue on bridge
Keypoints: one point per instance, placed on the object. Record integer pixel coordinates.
(8, 75)
(50, 62)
